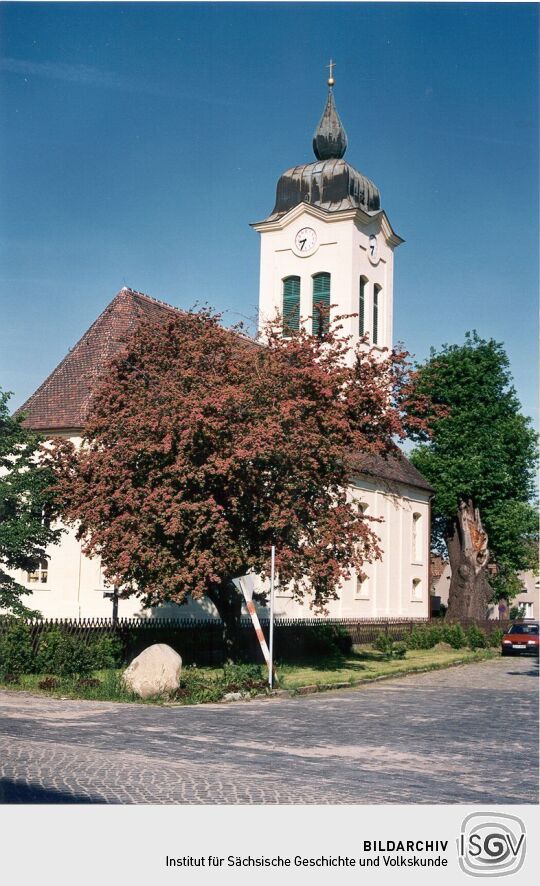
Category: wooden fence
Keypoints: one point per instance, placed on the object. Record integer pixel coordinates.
(201, 642)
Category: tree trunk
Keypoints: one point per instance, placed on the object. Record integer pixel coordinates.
(468, 552)
(228, 601)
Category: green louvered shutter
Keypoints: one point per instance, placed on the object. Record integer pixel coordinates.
(291, 304)
(321, 299)
(362, 306)
(376, 306)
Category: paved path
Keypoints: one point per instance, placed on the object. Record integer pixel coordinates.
(464, 735)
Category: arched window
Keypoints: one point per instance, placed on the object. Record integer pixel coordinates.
(291, 304)
(321, 303)
(362, 305)
(362, 587)
(417, 538)
(376, 308)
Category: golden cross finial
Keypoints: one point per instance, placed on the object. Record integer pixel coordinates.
(331, 67)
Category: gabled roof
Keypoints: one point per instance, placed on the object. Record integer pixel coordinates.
(394, 467)
(437, 565)
(62, 401)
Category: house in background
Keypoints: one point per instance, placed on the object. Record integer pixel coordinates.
(528, 600)
(326, 245)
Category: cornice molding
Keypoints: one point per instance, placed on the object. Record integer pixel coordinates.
(357, 215)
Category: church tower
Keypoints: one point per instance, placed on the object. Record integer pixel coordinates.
(328, 242)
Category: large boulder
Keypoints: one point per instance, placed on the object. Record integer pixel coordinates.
(156, 671)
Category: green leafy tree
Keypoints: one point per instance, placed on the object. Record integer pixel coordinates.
(481, 461)
(25, 501)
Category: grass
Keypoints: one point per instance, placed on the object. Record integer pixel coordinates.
(366, 664)
(110, 686)
(200, 684)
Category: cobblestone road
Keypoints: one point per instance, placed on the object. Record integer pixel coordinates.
(465, 735)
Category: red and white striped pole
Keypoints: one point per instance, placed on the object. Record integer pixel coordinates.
(248, 596)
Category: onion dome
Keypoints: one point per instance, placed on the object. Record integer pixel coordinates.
(330, 183)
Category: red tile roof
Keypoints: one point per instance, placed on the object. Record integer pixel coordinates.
(61, 402)
(437, 565)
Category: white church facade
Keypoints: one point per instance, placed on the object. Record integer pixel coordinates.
(327, 244)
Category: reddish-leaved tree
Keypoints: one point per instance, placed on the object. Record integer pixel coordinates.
(203, 448)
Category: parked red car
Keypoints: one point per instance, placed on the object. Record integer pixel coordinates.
(521, 638)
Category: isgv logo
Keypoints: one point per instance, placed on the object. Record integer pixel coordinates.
(491, 844)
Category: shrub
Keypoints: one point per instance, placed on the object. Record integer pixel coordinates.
(476, 638)
(65, 656)
(382, 642)
(424, 637)
(454, 635)
(106, 652)
(16, 651)
(325, 639)
(495, 637)
(388, 647)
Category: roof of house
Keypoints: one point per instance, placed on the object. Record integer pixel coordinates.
(62, 401)
(437, 565)
(394, 467)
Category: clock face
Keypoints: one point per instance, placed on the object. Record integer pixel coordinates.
(373, 248)
(305, 241)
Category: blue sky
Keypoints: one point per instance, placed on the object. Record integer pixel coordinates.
(139, 140)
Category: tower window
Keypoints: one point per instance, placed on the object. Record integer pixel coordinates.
(376, 306)
(321, 303)
(416, 589)
(362, 306)
(291, 304)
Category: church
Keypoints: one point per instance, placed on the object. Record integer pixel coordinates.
(326, 242)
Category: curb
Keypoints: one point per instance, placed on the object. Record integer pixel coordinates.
(313, 688)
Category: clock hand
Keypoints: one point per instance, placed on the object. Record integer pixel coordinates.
(302, 244)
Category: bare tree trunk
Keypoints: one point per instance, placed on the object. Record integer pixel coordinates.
(468, 552)
(228, 601)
